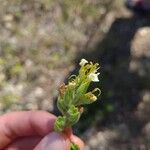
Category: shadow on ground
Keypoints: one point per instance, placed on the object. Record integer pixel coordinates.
(120, 87)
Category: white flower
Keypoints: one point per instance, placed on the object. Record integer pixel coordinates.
(94, 77)
(83, 62)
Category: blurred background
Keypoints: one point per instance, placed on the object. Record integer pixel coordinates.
(41, 44)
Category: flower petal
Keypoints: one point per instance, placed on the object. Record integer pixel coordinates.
(94, 77)
(83, 62)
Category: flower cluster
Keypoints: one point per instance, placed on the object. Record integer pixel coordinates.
(74, 95)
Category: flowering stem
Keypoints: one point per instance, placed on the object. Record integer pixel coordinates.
(74, 95)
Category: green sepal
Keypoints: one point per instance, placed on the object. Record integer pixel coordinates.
(82, 89)
(61, 105)
(60, 124)
(73, 115)
(68, 97)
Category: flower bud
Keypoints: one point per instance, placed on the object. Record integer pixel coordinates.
(91, 96)
(72, 85)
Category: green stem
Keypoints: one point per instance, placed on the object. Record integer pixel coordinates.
(74, 146)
